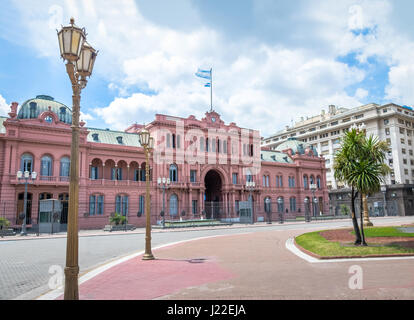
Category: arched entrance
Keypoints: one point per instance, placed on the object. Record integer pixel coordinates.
(213, 196)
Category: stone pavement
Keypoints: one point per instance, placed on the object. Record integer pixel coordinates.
(100, 232)
(246, 266)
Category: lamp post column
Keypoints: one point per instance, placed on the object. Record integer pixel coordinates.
(24, 232)
(72, 264)
(148, 254)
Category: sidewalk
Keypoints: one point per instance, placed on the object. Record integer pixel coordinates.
(100, 232)
(242, 266)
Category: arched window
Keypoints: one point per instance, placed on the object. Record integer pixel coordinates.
(62, 114)
(143, 172)
(249, 176)
(267, 205)
(173, 173)
(121, 204)
(305, 182)
(64, 167)
(318, 182)
(280, 204)
(46, 166)
(173, 205)
(33, 110)
(26, 163)
(312, 180)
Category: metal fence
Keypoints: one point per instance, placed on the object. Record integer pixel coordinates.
(98, 215)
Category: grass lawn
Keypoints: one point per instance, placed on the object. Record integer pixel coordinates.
(315, 243)
(384, 232)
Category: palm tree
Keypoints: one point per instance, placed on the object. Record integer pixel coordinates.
(344, 162)
(360, 164)
(369, 170)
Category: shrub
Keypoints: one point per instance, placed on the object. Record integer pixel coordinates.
(344, 210)
(115, 218)
(4, 223)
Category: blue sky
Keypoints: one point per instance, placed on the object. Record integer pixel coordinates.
(272, 61)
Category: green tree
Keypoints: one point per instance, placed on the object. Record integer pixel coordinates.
(360, 165)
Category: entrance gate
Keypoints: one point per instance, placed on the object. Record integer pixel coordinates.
(246, 212)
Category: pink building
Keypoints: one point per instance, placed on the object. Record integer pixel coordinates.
(207, 161)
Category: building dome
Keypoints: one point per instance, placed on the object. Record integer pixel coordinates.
(296, 146)
(32, 108)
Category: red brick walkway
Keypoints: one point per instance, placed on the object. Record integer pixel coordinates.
(142, 280)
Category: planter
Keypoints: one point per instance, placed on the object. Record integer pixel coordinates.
(120, 227)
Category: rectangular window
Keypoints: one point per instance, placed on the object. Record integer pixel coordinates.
(235, 178)
(402, 141)
(193, 174)
(403, 151)
(194, 207)
(236, 206)
(100, 206)
(92, 200)
(292, 204)
(387, 131)
(141, 209)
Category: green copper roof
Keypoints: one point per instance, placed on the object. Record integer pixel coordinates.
(296, 146)
(275, 156)
(119, 138)
(32, 108)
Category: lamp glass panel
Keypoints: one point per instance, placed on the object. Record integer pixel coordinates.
(60, 36)
(144, 137)
(66, 40)
(151, 143)
(26, 174)
(92, 62)
(19, 174)
(75, 42)
(34, 175)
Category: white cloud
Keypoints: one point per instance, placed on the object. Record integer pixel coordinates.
(256, 84)
(4, 106)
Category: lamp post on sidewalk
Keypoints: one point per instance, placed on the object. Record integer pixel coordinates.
(307, 216)
(26, 176)
(80, 59)
(250, 186)
(147, 142)
(164, 184)
(384, 191)
(313, 188)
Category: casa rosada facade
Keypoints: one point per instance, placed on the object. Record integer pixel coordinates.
(207, 161)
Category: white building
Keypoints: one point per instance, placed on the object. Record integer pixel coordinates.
(389, 122)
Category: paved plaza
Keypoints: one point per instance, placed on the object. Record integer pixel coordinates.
(247, 263)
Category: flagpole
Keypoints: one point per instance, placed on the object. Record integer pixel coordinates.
(211, 90)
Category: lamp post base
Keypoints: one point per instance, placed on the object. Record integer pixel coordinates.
(23, 233)
(148, 256)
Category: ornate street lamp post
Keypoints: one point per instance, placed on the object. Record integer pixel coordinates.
(307, 216)
(80, 59)
(313, 188)
(384, 191)
(26, 176)
(250, 186)
(164, 184)
(280, 209)
(268, 210)
(147, 142)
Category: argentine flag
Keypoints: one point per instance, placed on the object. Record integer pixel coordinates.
(208, 85)
(205, 74)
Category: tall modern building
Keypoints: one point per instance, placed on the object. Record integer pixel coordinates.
(390, 122)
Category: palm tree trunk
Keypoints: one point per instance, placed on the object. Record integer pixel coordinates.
(354, 219)
(367, 222)
(362, 220)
